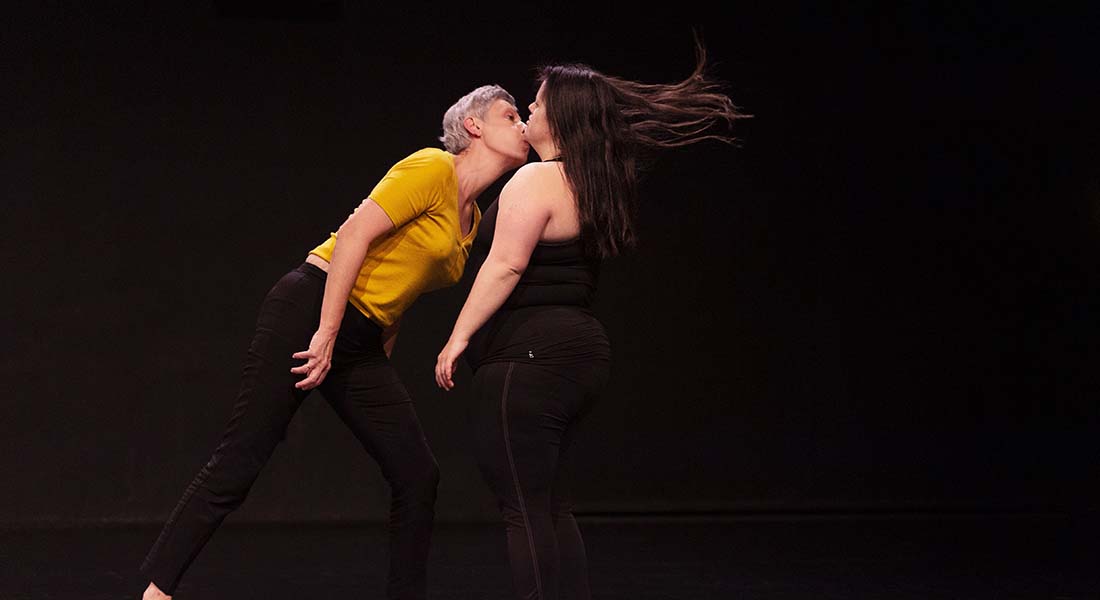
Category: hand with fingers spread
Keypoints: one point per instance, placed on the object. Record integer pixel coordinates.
(318, 360)
(445, 364)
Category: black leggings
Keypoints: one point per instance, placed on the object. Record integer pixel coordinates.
(525, 418)
(364, 390)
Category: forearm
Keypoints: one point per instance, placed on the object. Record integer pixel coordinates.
(494, 283)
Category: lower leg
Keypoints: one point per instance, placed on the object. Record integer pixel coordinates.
(373, 403)
(532, 551)
(412, 517)
(265, 405)
(517, 452)
(574, 561)
(266, 402)
(219, 488)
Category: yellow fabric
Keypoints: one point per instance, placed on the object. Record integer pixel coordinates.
(426, 249)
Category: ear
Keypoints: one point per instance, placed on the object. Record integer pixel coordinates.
(472, 127)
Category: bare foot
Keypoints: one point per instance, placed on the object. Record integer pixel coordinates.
(153, 593)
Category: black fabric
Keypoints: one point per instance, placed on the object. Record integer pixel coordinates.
(364, 390)
(539, 364)
(547, 317)
(525, 421)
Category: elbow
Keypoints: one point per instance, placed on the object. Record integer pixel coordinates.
(346, 229)
(505, 267)
(509, 268)
(515, 268)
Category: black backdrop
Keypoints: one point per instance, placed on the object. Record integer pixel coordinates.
(883, 300)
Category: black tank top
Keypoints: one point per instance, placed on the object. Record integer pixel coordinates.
(547, 318)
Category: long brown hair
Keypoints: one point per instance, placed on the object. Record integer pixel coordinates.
(605, 125)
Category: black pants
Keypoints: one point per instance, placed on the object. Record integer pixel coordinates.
(525, 420)
(364, 390)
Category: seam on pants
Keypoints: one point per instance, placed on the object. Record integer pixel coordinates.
(515, 478)
(153, 557)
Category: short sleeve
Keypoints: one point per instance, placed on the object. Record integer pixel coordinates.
(413, 185)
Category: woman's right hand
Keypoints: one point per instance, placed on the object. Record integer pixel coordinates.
(445, 363)
(318, 360)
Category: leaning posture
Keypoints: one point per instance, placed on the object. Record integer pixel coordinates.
(339, 311)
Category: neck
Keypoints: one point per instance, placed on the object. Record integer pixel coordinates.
(476, 169)
(547, 151)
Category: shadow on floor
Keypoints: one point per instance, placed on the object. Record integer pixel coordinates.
(849, 558)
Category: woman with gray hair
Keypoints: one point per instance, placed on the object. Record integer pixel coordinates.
(331, 324)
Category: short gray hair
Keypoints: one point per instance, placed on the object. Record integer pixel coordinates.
(455, 138)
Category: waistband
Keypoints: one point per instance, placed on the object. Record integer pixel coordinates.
(352, 314)
(312, 270)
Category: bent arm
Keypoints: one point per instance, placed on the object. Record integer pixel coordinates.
(354, 237)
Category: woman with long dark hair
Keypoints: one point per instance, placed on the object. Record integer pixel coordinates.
(540, 357)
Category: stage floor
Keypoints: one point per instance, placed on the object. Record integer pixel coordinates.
(883, 557)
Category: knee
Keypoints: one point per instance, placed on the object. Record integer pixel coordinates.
(561, 509)
(225, 483)
(532, 506)
(431, 477)
(420, 484)
(512, 516)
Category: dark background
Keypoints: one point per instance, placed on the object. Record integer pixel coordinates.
(883, 300)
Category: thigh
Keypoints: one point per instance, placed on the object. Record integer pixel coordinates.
(487, 429)
(520, 415)
(267, 398)
(373, 402)
(588, 380)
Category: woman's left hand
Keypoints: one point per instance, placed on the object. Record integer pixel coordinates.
(445, 364)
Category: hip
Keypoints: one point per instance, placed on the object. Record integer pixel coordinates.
(549, 335)
(292, 309)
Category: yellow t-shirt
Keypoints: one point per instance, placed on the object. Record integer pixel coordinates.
(426, 249)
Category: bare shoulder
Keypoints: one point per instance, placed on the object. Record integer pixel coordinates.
(534, 181)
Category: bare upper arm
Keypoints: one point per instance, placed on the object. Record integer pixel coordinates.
(522, 215)
(368, 221)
